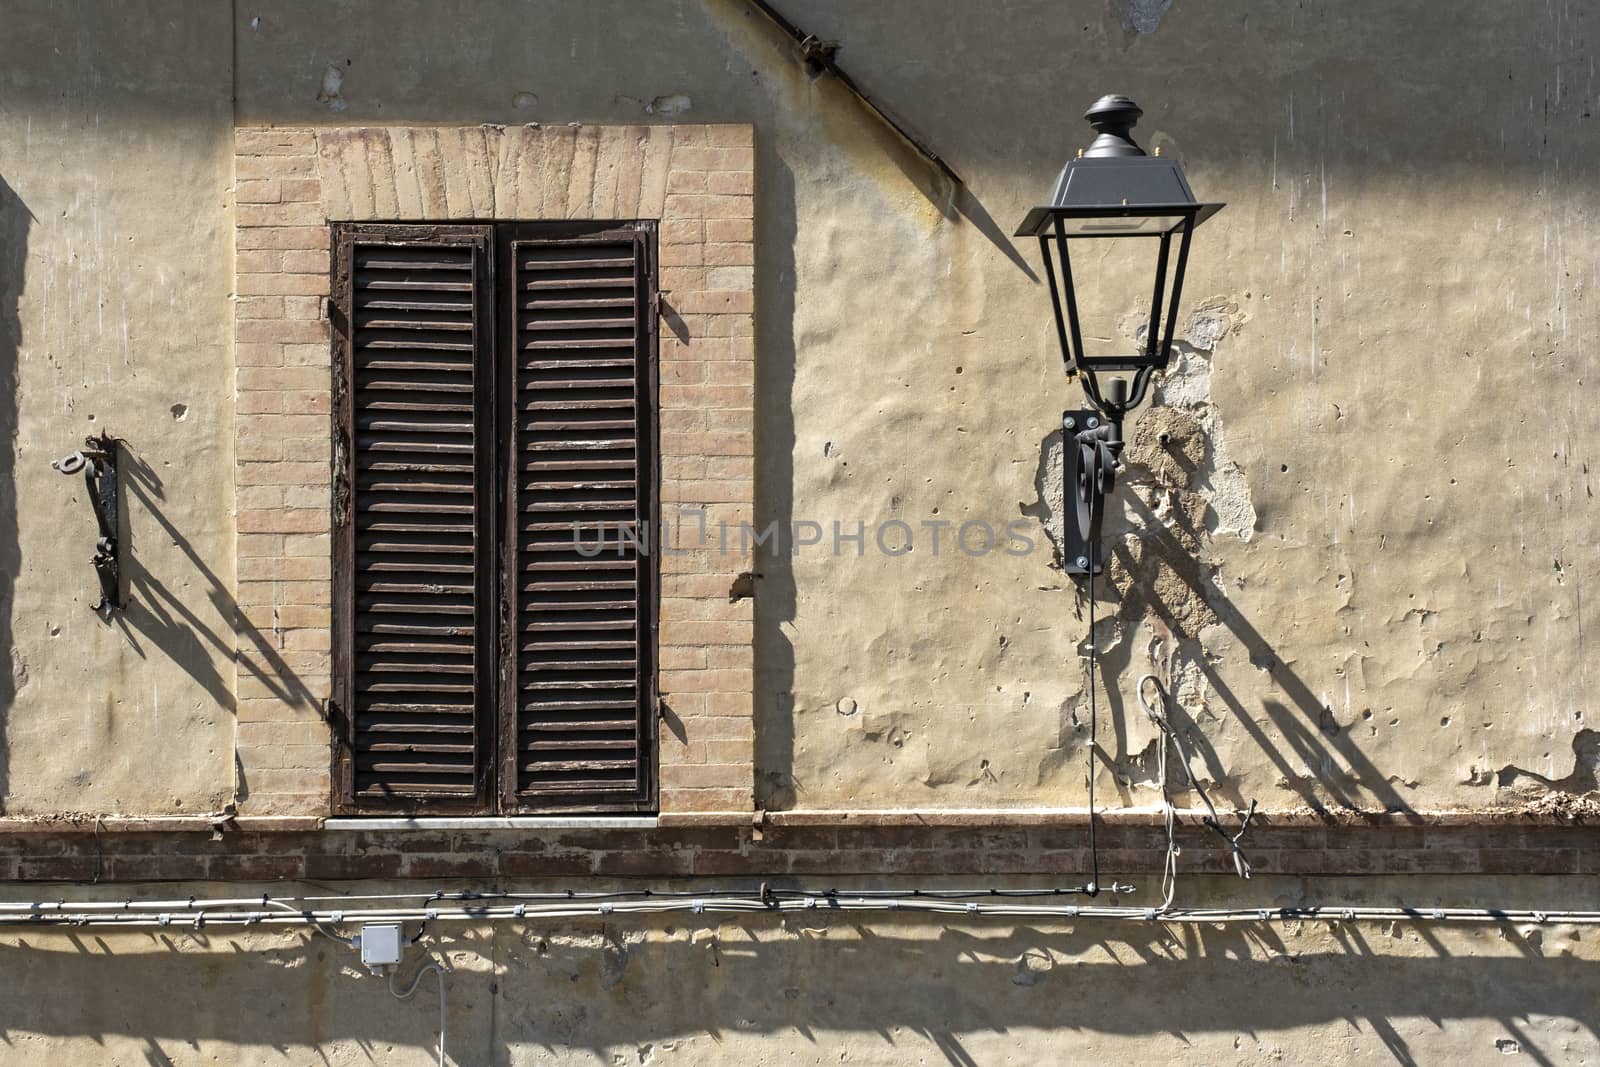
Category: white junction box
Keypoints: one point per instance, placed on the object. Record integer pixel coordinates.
(381, 946)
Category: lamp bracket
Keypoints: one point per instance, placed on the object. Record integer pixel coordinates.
(1091, 453)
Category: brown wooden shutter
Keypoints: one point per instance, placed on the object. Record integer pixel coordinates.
(578, 707)
(413, 515)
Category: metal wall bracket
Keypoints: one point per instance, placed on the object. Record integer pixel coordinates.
(98, 462)
(1091, 447)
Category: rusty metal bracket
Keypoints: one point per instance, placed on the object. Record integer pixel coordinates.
(98, 462)
(818, 54)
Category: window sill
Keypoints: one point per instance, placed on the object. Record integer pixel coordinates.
(494, 822)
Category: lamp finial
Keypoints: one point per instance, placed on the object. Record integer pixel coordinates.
(1113, 118)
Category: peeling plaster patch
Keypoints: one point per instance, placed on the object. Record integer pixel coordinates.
(1048, 507)
(332, 86)
(524, 101)
(1187, 386)
(1584, 779)
(676, 104)
(1178, 441)
(19, 673)
(1142, 16)
(1207, 326)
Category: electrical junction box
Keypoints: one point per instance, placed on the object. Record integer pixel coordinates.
(381, 946)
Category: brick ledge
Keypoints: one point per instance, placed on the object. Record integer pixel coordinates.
(871, 818)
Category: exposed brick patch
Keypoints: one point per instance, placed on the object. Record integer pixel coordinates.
(289, 184)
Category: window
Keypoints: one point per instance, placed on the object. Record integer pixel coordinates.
(494, 399)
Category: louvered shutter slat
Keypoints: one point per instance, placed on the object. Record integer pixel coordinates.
(413, 614)
(582, 463)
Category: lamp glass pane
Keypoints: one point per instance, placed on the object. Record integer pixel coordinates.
(1112, 283)
(1123, 225)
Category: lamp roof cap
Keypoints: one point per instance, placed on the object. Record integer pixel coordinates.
(1113, 118)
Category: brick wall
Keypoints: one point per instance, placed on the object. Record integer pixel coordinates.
(809, 847)
(290, 183)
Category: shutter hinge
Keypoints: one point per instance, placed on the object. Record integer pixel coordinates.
(335, 717)
(505, 627)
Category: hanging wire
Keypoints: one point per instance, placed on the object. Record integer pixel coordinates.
(411, 991)
(1157, 712)
(1169, 861)
(1094, 717)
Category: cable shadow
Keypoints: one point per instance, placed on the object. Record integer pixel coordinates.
(625, 983)
(953, 199)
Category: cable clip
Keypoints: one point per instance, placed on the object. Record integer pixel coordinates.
(697, 906)
(606, 907)
(520, 911)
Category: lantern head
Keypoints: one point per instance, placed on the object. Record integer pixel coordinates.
(1114, 190)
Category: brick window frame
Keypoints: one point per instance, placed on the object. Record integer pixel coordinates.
(291, 183)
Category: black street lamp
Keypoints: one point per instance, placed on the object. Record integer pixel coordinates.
(1111, 190)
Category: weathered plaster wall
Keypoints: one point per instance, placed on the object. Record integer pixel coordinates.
(811, 990)
(115, 275)
(1390, 508)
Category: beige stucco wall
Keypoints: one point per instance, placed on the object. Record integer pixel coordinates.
(1390, 497)
(115, 315)
(1382, 406)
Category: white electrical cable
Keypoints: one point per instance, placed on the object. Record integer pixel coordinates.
(323, 930)
(202, 915)
(438, 974)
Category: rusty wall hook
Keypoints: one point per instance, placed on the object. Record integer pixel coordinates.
(98, 463)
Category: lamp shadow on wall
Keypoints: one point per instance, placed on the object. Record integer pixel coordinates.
(15, 222)
(603, 990)
(162, 616)
(1303, 729)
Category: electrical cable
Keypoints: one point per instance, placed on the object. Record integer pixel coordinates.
(839, 902)
(1241, 864)
(1094, 719)
(1169, 861)
(323, 930)
(411, 991)
(191, 904)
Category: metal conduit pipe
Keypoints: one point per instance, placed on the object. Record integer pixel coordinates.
(198, 913)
